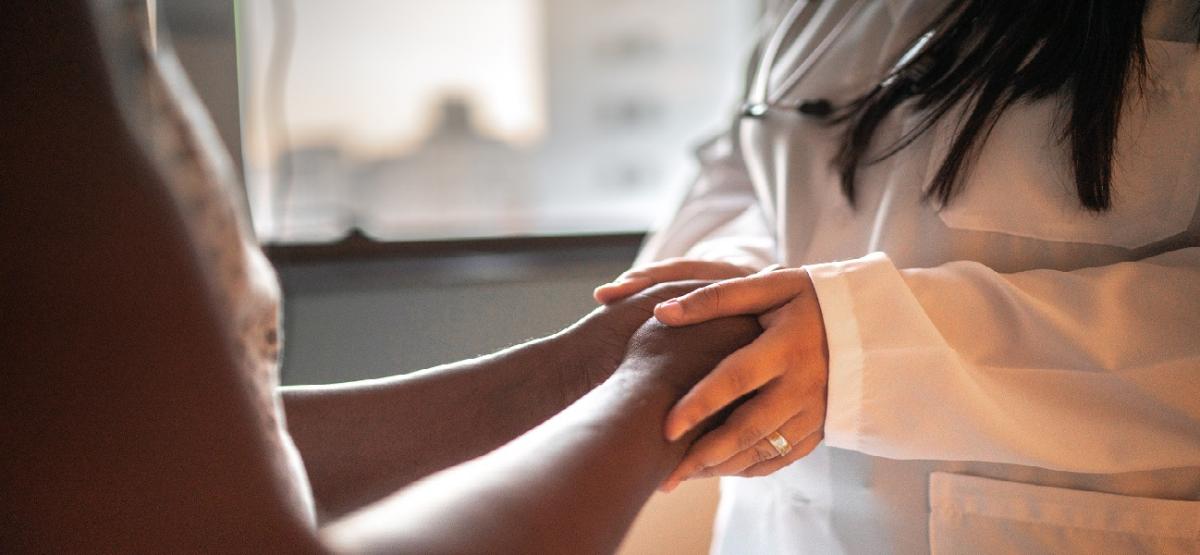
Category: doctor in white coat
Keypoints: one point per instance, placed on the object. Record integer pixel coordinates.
(971, 346)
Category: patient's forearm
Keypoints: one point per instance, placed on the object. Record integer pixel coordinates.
(572, 485)
(364, 440)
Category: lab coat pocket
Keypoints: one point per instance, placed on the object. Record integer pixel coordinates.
(980, 516)
(1022, 184)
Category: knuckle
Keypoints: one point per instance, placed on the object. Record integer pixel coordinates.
(811, 420)
(710, 457)
(713, 458)
(733, 380)
(793, 357)
(749, 435)
(763, 452)
(723, 468)
(738, 380)
(707, 298)
(815, 419)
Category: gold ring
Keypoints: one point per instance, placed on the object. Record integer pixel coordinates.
(780, 443)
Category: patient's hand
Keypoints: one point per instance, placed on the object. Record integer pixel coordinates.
(598, 342)
(678, 357)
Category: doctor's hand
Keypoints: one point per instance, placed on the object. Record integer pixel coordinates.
(671, 269)
(786, 369)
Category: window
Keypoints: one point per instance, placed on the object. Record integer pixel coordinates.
(416, 120)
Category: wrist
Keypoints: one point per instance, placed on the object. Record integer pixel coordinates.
(644, 400)
(593, 348)
(652, 374)
(580, 363)
(652, 394)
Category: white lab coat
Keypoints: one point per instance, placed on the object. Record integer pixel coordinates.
(1008, 374)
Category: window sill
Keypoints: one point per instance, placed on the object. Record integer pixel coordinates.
(358, 246)
(358, 262)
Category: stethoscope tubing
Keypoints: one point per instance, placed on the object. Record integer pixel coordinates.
(761, 101)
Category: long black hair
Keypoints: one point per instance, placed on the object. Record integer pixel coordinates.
(986, 55)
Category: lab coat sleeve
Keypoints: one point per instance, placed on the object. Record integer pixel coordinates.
(719, 217)
(1095, 370)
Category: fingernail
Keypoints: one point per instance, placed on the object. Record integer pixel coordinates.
(670, 486)
(669, 309)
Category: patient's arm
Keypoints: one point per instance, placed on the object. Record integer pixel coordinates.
(132, 429)
(129, 427)
(364, 440)
(125, 421)
(571, 485)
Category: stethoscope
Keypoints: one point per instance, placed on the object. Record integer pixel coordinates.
(760, 102)
(759, 99)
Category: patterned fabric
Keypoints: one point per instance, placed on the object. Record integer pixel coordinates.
(196, 169)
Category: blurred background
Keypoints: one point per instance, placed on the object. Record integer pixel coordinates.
(438, 180)
(408, 119)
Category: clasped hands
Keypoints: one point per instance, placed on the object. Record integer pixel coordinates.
(783, 373)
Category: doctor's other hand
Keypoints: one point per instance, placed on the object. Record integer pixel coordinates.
(786, 368)
(672, 269)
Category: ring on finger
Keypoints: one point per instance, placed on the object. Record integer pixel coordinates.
(780, 443)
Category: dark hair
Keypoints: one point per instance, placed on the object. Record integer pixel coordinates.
(985, 55)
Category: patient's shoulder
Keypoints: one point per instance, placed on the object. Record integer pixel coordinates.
(122, 395)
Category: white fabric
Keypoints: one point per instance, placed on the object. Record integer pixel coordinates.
(1012, 336)
(1100, 375)
(982, 516)
(720, 207)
